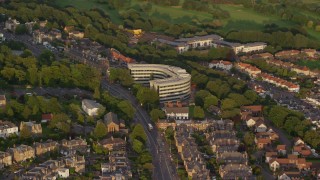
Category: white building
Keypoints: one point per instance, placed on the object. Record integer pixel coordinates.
(91, 107)
(177, 113)
(7, 129)
(11, 24)
(184, 44)
(171, 83)
(226, 65)
(63, 172)
(243, 48)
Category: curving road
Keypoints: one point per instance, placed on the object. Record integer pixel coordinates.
(164, 168)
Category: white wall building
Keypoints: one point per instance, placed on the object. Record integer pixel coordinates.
(171, 83)
(63, 173)
(91, 107)
(7, 129)
(226, 65)
(177, 113)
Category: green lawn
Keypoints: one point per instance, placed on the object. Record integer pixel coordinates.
(310, 63)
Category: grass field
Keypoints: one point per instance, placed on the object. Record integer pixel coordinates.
(310, 63)
(241, 18)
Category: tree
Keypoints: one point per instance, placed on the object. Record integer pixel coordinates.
(198, 112)
(100, 130)
(126, 107)
(96, 94)
(200, 97)
(277, 115)
(157, 114)
(138, 133)
(210, 101)
(25, 133)
(137, 146)
(26, 112)
(249, 138)
(228, 104)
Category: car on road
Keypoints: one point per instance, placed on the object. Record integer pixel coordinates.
(150, 127)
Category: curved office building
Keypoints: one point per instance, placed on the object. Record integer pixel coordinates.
(171, 83)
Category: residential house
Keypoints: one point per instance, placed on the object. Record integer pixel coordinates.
(72, 146)
(260, 126)
(113, 143)
(5, 159)
(76, 35)
(68, 29)
(11, 24)
(267, 135)
(220, 64)
(287, 163)
(115, 55)
(234, 171)
(46, 117)
(301, 150)
(254, 111)
(221, 125)
(263, 56)
(33, 128)
(113, 124)
(63, 173)
(309, 52)
(164, 124)
(7, 129)
(287, 54)
(249, 69)
(45, 147)
(270, 155)
(3, 101)
(117, 167)
(223, 145)
(298, 141)
(282, 149)
(290, 175)
(262, 143)
(76, 162)
(22, 153)
(176, 112)
(252, 121)
(47, 170)
(301, 70)
(91, 107)
(232, 158)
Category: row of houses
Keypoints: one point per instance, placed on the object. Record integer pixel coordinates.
(189, 153)
(280, 82)
(290, 66)
(8, 128)
(311, 53)
(54, 169)
(24, 152)
(225, 144)
(208, 41)
(306, 53)
(256, 72)
(118, 166)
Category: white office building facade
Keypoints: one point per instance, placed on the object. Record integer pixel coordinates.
(171, 83)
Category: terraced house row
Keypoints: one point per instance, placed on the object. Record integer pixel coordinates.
(255, 72)
(224, 143)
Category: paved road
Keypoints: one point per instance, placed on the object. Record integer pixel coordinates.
(163, 166)
(26, 39)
